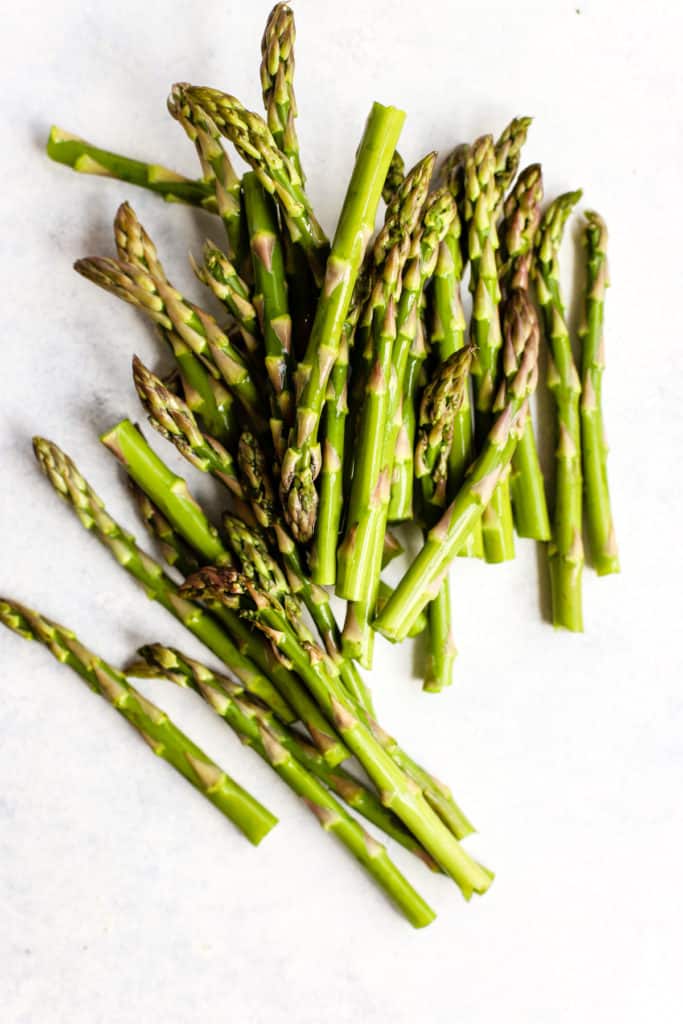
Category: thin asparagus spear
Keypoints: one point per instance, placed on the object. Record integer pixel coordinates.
(522, 217)
(301, 463)
(173, 419)
(82, 156)
(394, 178)
(246, 718)
(601, 536)
(565, 551)
(480, 205)
(217, 113)
(508, 151)
(258, 734)
(167, 741)
(397, 791)
(324, 549)
(220, 275)
(150, 290)
(270, 299)
(77, 492)
(401, 498)
(423, 579)
(277, 82)
(442, 400)
(217, 170)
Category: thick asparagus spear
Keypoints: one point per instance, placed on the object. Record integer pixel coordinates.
(82, 156)
(422, 581)
(601, 537)
(401, 497)
(518, 232)
(301, 463)
(153, 724)
(397, 791)
(565, 551)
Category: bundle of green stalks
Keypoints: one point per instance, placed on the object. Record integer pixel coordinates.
(340, 395)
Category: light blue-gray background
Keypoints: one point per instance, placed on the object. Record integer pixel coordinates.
(124, 897)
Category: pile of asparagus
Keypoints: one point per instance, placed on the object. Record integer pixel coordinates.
(341, 392)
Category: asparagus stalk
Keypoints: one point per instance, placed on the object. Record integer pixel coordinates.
(370, 485)
(148, 289)
(270, 299)
(302, 461)
(77, 492)
(397, 791)
(277, 82)
(258, 732)
(82, 156)
(220, 275)
(156, 728)
(522, 217)
(218, 114)
(394, 178)
(173, 419)
(401, 497)
(424, 577)
(507, 152)
(601, 536)
(480, 204)
(565, 551)
(219, 172)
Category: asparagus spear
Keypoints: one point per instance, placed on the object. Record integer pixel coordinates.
(370, 483)
(173, 419)
(218, 114)
(397, 791)
(220, 275)
(301, 463)
(401, 497)
(258, 733)
(522, 217)
(508, 150)
(150, 290)
(425, 575)
(156, 728)
(394, 178)
(270, 299)
(82, 156)
(602, 540)
(77, 492)
(277, 82)
(480, 204)
(565, 551)
(262, 497)
(218, 171)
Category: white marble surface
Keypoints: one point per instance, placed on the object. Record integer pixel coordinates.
(124, 897)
